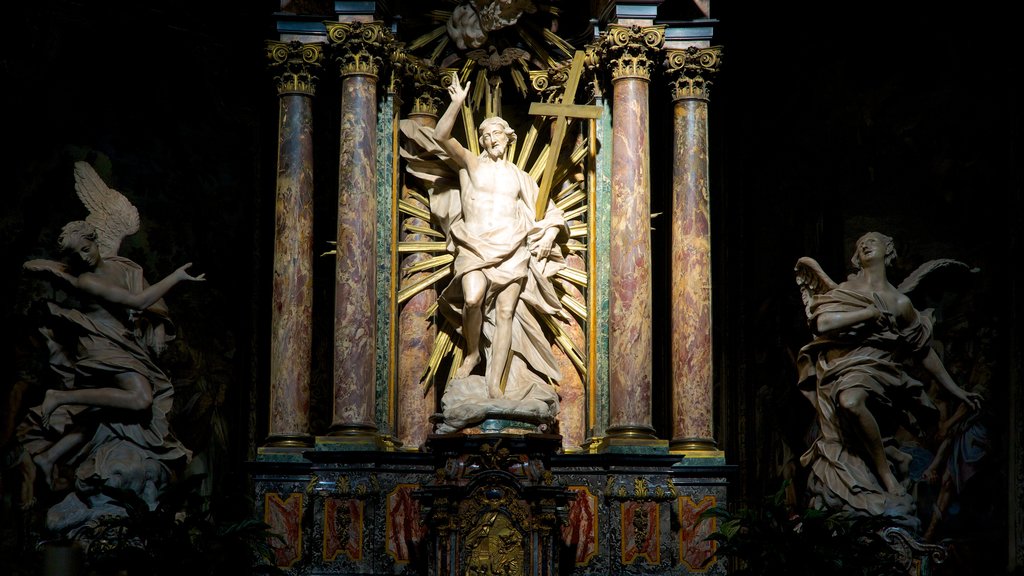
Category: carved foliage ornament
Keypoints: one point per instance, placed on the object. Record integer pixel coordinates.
(295, 66)
(691, 71)
(631, 49)
(360, 47)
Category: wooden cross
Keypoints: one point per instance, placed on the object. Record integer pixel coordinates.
(562, 112)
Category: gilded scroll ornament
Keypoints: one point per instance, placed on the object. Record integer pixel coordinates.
(295, 66)
(691, 70)
(360, 47)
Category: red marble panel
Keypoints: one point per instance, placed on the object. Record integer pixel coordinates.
(641, 532)
(403, 530)
(580, 531)
(284, 516)
(343, 528)
(694, 548)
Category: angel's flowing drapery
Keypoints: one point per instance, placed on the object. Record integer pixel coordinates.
(870, 359)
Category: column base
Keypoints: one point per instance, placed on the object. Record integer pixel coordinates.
(288, 441)
(632, 431)
(282, 453)
(351, 437)
(697, 451)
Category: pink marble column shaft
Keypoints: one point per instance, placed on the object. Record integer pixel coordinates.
(291, 322)
(629, 314)
(416, 332)
(691, 277)
(355, 299)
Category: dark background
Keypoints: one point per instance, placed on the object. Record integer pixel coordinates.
(827, 120)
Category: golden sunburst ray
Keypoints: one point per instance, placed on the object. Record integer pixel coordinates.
(425, 230)
(577, 277)
(442, 347)
(410, 246)
(429, 263)
(422, 284)
(406, 207)
(528, 141)
(565, 343)
(426, 39)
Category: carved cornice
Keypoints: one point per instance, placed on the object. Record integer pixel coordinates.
(690, 71)
(360, 47)
(631, 51)
(295, 66)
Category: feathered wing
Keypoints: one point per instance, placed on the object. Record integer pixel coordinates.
(811, 280)
(931, 271)
(109, 211)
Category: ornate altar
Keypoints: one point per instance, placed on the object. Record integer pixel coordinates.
(452, 449)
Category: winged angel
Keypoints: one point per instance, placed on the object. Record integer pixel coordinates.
(108, 421)
(856, 373)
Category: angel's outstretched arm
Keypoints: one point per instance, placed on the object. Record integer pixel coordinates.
(934, 366)
(97, 286)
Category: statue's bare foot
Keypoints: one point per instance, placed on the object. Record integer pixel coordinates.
(892, 486)
(48, 406)
(45, 465)
(468, 363)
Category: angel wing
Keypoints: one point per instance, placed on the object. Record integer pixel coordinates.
(946, 268)
(811, 279)
(109, 211)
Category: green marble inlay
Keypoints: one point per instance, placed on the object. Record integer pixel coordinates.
(691, 460)
(272, 455)
(602, 248)
(635, 449)
(385, 291)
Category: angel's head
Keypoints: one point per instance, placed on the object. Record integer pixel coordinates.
(495, 136)
(869, 242)
(78, 238)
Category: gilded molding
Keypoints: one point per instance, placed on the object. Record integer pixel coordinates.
(642, 490)
(360, 47)
(691, 71)
(630, 50)
(295, 66)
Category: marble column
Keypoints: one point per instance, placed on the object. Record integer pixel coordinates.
(689, 72)
(295, 66)
(416, 326)
(630, 55)
(359, 48)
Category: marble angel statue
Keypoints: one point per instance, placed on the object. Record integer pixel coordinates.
(868, 340)
(107, 423)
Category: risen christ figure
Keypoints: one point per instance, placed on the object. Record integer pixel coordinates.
(502, 253)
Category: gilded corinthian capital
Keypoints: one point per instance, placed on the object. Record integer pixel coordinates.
(360, 47)
(632, 51)
(295, 66)
(690, 71)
